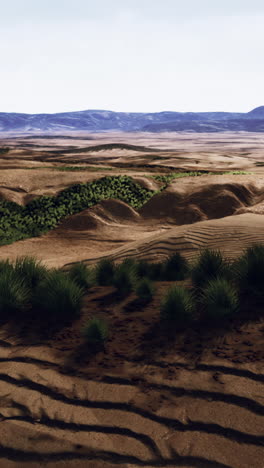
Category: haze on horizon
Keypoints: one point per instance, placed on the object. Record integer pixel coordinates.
(131, 56)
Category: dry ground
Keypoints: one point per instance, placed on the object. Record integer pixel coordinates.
(189, 399)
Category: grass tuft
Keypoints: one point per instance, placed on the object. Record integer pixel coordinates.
(177, 306)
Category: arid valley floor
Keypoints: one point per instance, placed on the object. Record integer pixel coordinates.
(193, 400)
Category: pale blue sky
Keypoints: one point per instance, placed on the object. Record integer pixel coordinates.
(131, 55)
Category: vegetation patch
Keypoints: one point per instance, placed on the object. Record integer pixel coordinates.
(44, 213)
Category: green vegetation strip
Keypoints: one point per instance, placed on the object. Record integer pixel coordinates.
(44, 213)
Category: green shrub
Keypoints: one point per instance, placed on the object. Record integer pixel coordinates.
(82, 275)
(145, 289)
(14, 293)
(58, 297)
(210, 265)
(177, 306)
(104, 272)
(249, 271)
(175, 268)
(220, 299)
(95, 331)
(31, 270)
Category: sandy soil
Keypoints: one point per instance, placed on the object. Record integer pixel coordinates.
(149, 397)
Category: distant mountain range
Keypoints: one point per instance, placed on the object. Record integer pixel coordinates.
(102, 120)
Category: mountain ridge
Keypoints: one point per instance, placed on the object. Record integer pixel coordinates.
(104, 120)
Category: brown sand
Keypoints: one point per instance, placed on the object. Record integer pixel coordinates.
(149, 398)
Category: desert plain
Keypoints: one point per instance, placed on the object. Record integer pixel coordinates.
(187, 399)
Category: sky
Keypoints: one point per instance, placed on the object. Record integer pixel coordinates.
(131, 55)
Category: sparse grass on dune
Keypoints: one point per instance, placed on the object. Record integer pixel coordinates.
(177, 307)
(219, 299)
(54, 297)
(57, 298)
(82, 275)
(209, 265)
(95, 331)
(249, 271)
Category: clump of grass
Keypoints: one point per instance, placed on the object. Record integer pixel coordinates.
(58, 298)
(124, 280)
(104, 272)
(82, 275)
(249, 271)
(175, 268)
(219, 299)
(14, 293)
(209, 265)
(177, 306)
(145, 290)
(95, 331)
(32, 270)
(142, 268)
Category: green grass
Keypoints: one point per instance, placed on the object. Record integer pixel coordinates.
(82, 275)
(177, 306)
(168, 178)
(14, 293)
(175, 268)
(95, 331)
(209, 265)
(104, 272)
(219, 299)
(249, 271)
(31, 270)
(145, 290)
(58, 298)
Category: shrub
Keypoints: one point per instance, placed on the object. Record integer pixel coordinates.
(104, 272)
(220, 299)
(249, 271)
(58, 297)
(31, 270)
(82, 275)
(95, 331)
(145, 289)
(14, 293)
(209, 266)
(177, 306)
(175, 268)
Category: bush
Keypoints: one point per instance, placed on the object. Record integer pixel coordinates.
(14, 293)
(175, 268)
(31, 270)
(95, 331)
(249, 271)
(145, 290)
(104, 272)
(220, 299)
(177, 306)
(82, 275)
(58, 297)
(209, 266)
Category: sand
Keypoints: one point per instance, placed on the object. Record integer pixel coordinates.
(149, 397)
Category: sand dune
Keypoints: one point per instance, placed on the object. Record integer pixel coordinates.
(150, 398)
